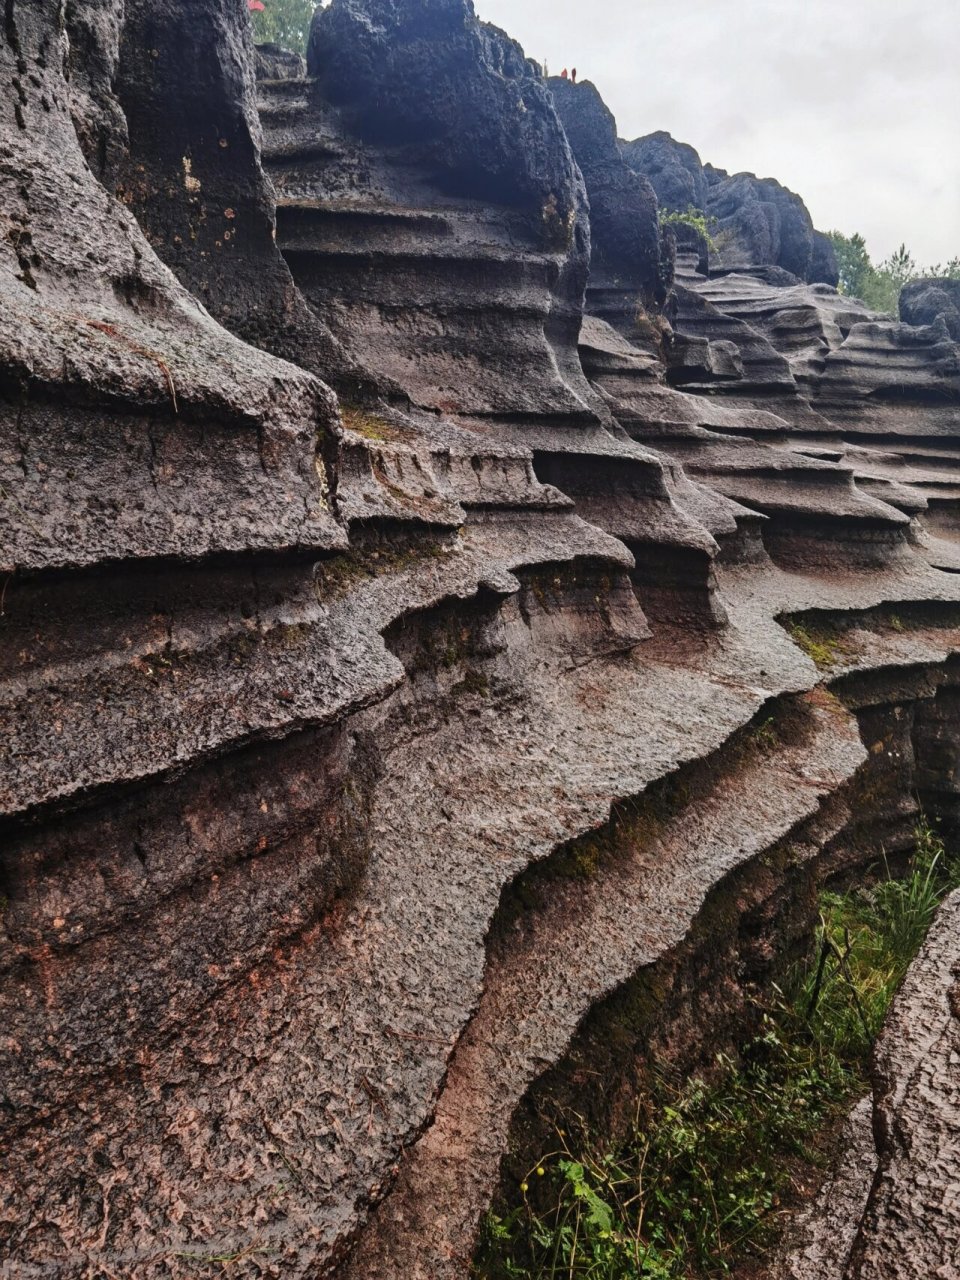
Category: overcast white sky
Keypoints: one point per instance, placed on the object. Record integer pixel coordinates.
(855, 104)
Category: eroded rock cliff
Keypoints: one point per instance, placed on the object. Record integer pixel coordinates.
(308, 703)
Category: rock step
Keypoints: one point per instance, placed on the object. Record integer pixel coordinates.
(559, 960)
(360, 1018)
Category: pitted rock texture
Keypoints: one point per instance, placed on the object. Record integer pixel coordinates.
(891, 1207)
(426, 143)
(273, 62)
(922, 302)
(124, 401)
(759, 221)
(911, 1225)
(820, 1238)
(461, 92)
(624, 214)
(674, 168)
(298, 695)
(464, 287)
(190, 171)
(754, 221)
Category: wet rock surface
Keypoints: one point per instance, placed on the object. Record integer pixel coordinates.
(911, 1224)
(300, 690)
(820, 1238)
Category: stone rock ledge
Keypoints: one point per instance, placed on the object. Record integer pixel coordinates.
(292, 692)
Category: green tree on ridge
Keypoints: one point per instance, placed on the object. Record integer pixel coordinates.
(284, 22)
(879, 286)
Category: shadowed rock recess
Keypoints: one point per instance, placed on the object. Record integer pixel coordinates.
(393, 517)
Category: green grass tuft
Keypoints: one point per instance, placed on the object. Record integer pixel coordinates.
(696, 1188)
(866, 941)
(693, 218)
(824, 648)
(369, 425)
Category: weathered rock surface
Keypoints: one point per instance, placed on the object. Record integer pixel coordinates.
(923, 302)
(190, 170)
(755, 221)
(134, 426)
(759, 222)
(463, 283)
(892, 1207)
(824, 268)
(273, 62)
(626, 246)
(911, 1226)
(674, 168)
(306, 706)
(820, 1239)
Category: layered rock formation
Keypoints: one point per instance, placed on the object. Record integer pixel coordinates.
(311, 705)
(756, 221)
(628, 257)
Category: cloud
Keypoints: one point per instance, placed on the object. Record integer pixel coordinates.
(853, 105)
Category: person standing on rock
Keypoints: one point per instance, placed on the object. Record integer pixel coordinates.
(573, 75)
(563, 74)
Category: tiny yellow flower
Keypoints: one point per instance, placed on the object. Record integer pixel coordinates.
(540, 1171)
(524, 1188)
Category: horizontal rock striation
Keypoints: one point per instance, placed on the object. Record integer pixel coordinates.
(389, 523)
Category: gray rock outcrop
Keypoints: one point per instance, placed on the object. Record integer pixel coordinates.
(824, 268)
(911, 1224)
(923, 302)
(624, 213)
(674, 168)
(758, 222)
(754, 221)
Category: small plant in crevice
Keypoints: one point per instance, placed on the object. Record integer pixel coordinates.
(696, 1185)
(866, 941)
(823, 647)
(765, 737)
(695, 219)
(702, 1180)
(369, 425)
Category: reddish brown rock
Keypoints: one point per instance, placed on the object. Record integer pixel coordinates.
(307, 708)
